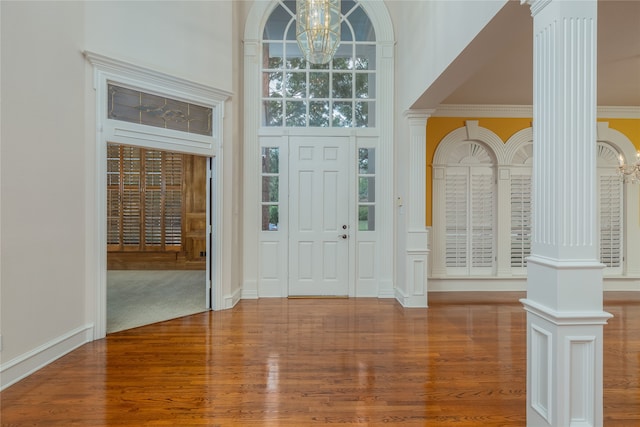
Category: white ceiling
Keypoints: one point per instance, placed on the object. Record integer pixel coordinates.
(507, 77)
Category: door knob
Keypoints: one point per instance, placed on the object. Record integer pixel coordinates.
(343, 236)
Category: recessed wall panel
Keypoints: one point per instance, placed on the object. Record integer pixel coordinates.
(305, 201)
(329, 260)
(330, 209)
(270, 259)
(366, 260)
(305, 260)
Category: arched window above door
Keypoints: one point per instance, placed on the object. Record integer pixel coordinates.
(340, 94)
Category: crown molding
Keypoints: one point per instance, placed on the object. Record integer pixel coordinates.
(522, 111)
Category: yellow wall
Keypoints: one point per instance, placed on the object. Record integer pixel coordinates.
(439, 127)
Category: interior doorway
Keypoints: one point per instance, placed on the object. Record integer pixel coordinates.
(157, 235)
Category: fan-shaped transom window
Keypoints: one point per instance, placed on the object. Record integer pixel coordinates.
(339, 94)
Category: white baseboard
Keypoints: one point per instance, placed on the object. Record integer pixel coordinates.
(232, 299)
(494, 284)
(410, 301)
(477, 284)
(386, 289)
(24, 365)
(621, 284)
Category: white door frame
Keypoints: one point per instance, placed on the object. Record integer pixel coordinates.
(105, 70)
(373, 262)
(342, 245)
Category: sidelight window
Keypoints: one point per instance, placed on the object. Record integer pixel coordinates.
(270, 188)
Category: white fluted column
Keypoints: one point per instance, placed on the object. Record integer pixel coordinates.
(564, 287)
(414, 290)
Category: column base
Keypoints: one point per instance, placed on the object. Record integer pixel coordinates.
(564, 366)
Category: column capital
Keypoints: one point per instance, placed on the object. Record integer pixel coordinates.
(415, 115)
(535, 5)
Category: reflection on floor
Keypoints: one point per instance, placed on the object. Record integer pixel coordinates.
(136, 297)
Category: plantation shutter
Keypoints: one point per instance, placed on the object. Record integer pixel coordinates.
(173, 199)
(482, 208)
(520, 219)
(114, 199)
(456, 209)
(131, 205)
(153, 198)
(144, 199)
(611, 222)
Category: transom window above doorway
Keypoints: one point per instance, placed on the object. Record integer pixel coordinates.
(135, 106)
(341, 93)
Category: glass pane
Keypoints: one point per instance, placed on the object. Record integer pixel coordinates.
(153, 110)
(319, 66)
(273, 84)
(318, 85)
(367, 189)
(270, 218)
(270, 188)
(366, 218)
(346, 33)
(319, 113)
(343, 59)
(270, 159)
(273, 55)
(296, 85)
(365, 114)
(367, 161)
(199, 119)
(365, 85)
(272, 113)
(278, 20)
(362, 26)
(342, 114)
(295, 60)
(291, 32)
(296, 114)
(365, 57)
(342, 85)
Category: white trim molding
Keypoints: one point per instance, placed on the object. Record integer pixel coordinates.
(109, 70)
(24, 365)
(524, 111)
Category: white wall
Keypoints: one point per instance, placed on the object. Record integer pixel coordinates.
(430, 35)
(48, 204)
(187, 39)
(42, 174)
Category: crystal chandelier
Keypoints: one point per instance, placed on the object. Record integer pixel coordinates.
(318, 29)
(630, 173)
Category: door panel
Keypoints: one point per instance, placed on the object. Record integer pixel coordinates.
(319, 208)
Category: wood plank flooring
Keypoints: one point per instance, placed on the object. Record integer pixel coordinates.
(279, 362)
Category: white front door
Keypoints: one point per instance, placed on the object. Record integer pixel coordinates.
(318, 216)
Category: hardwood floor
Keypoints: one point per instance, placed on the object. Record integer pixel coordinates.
(279, 362)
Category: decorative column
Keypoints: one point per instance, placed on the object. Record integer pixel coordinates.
(564, 287)
(417, 238)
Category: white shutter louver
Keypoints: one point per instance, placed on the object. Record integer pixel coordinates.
(456, 218)
(482, 207)
(144, 199)
(520, 219)
(611, 221)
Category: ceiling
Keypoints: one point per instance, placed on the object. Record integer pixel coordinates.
(507, 76)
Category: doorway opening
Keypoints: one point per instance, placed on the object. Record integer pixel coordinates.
(157, 239)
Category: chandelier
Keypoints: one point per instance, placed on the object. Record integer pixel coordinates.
(318, 29)
(630, 173)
